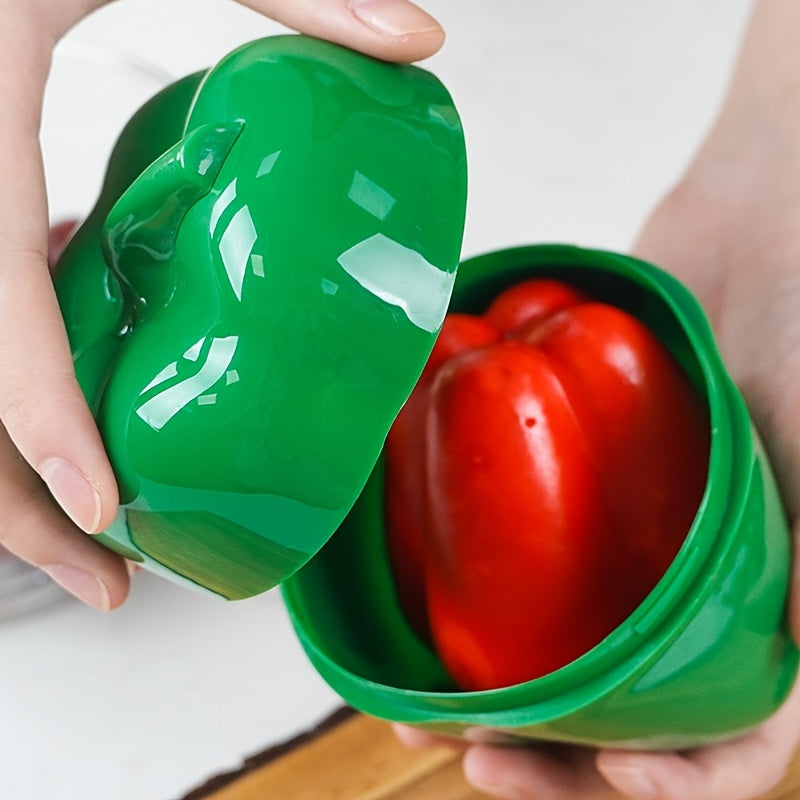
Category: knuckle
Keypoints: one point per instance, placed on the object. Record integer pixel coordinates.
(17, 409)
(25, 410)
(24, 250)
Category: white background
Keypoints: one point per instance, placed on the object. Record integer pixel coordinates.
(579, 114)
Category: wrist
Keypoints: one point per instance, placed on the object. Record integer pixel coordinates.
(754, 144)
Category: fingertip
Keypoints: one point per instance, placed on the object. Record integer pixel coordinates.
(409, 32)
(514, 772)
(410, 737)
(109, 507)
(627, 775)
(88, 502)
(78, 496)
(417, 738)
(480, 769)
(390, 30)
(414, 47)
(104, 592)
(118, 592)
(551, 771)
(116, 579)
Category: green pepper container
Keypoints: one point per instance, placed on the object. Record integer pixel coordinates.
(254, 296)
(705, 656)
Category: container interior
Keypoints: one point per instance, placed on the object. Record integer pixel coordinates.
(345, 599)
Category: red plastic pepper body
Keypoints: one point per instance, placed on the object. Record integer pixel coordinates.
(540, 480)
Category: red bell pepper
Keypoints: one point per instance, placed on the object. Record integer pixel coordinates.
(540, 480)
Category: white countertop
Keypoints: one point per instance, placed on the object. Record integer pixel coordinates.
(578, 116)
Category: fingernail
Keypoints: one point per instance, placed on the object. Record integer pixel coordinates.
(82, 584)
(393, 17)
(73, 492)
(631, 781)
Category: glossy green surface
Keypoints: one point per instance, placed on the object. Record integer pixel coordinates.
(254, 296)
(705, 656)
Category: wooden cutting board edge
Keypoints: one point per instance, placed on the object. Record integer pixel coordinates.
(351, 756)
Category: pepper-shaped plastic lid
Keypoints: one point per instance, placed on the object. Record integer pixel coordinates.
(254, 296)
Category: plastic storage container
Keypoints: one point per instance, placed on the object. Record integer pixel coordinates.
(705, 656)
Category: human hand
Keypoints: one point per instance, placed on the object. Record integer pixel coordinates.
(730, 230)
(56, 483)
(741, 769)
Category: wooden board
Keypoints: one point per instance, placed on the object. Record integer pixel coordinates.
(354, 757)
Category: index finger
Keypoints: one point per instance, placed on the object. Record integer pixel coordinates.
(393, 30)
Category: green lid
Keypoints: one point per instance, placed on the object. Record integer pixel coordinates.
(254, 296)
